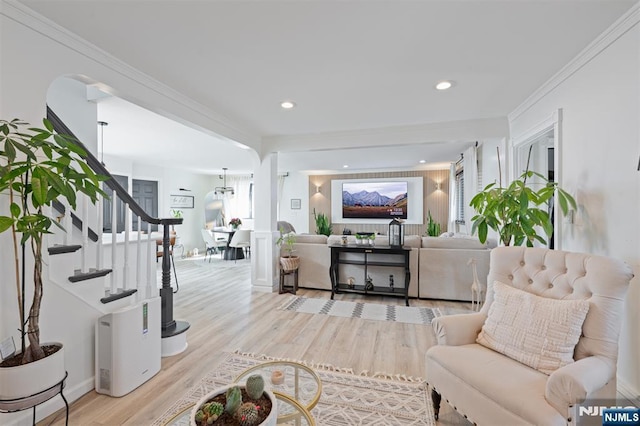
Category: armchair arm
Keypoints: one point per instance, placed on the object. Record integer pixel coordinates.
(572, 383)
(456, 330)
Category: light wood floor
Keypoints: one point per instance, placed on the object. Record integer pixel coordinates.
(226, 315)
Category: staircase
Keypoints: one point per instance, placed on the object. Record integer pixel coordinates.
(109, 271)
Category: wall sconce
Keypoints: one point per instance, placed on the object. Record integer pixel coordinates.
(438, 186)
(318, 187)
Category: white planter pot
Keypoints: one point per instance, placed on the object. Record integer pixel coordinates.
(269, 421)
(32, 383)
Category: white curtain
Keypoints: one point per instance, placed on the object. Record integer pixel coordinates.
(238, 205)
(452, 199)
(470, 184)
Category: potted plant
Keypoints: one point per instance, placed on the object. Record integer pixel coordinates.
(247, 405)
(515, 212)
(433, 228)
(177, 214)
(235, 223)
(37, 167)
(372, 239)
(285, 242)
(323, 226)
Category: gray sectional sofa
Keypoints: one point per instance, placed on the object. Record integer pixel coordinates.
(438, 265)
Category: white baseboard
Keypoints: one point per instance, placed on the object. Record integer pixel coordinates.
(628, 391)
(24, 418)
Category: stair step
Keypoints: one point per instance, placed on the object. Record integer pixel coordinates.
(119, 295)
(93, 273)
(60, 249)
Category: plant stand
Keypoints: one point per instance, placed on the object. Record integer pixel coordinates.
(288, 289)
(32, 401)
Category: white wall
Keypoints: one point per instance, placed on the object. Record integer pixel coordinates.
(68, 99)
(296, 186)
(599, 158)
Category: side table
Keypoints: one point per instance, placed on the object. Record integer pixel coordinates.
(288, 289)
(32, 401)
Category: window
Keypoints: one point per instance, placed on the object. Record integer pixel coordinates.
(251, 201)
(459, 193)
(241, 203)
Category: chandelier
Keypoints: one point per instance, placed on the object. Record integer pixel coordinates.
(224, 189)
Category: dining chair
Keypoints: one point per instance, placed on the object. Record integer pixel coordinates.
(241, 240)
(212, 243)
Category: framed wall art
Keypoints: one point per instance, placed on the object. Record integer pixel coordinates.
(181, 201)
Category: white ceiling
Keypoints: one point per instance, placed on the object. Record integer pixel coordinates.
(349, 65)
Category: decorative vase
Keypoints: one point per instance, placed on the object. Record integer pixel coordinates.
(23, 381)
(269, 421)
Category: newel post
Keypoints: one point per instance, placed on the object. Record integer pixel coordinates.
(174, 340)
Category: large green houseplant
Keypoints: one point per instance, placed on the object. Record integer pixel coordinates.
(37, 166)
(516, 212)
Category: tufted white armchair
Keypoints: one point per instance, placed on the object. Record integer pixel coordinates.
(489, 388)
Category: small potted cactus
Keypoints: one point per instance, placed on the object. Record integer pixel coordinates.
(248, 405)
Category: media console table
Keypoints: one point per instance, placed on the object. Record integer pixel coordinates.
(369, 256)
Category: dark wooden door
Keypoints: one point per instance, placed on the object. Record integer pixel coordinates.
(145, 192)
(106, 210)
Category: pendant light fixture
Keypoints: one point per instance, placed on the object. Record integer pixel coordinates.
(224, 189)
(102, 124)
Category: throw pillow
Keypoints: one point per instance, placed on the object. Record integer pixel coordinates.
(537, 331)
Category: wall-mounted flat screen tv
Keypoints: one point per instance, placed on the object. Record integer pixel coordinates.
(374, 200)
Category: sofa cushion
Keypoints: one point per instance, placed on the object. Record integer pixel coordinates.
(311, 239)
(453, 243)
(537, 331)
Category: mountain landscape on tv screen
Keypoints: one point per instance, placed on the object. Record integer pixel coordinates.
(373, 205)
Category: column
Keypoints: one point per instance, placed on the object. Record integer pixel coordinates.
(264, 254)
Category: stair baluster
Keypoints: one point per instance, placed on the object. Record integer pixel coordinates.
(114, 241)
(148, 291)
(67, 224)
(85, 234)
(139, 261)
(125, 269)
(100, 221)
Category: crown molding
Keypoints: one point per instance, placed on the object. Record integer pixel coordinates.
(604, 40)
(221, 124)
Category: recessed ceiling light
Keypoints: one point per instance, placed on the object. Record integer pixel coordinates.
(287, 104)
(423, 161)
(444, 85)
(346, 166)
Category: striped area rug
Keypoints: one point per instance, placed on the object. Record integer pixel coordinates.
(370, 311)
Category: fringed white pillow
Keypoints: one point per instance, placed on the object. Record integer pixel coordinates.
(537, 331)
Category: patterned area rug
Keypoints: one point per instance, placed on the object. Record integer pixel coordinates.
(347, 398)
(371, 311)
